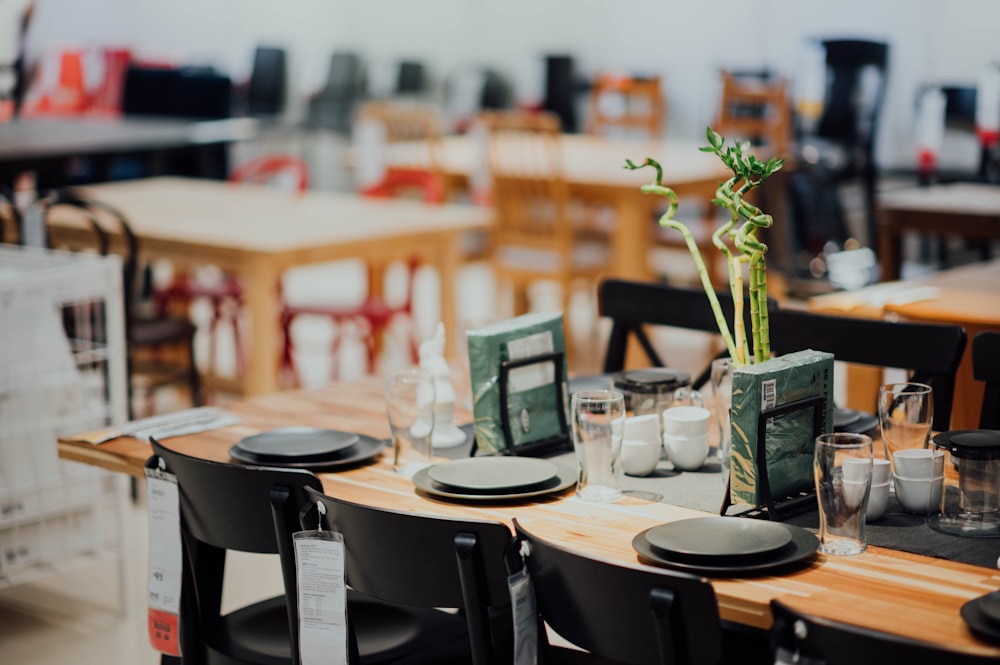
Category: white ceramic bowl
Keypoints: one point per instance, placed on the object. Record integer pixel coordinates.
(881, 471)
(918, 462)
(686, 420)
(643, 428)
(878, 499)
(919, 495)
(688, 453)
(640, 456)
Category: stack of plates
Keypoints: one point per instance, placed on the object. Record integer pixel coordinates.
(306, 448)
(494, 478)
(983, 616)
(725, 545)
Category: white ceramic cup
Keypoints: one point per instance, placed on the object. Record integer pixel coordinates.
(919, 495)
(641, 444)
(918, 462)
(878, 499)
(857, 470)
(690, 421)
(688, 453)
(881, 471)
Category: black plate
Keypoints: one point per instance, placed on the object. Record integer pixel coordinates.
(714, 539)
(990, 606)
(802, 548)
(298, 444)
(564, 480)
(365, 449)
(980, 624)
(494, 475)
(850, 420)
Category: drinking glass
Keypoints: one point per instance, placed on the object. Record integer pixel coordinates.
(905, 411)
(842, 467)
(722, 396)
(598, 425)
(409, 403)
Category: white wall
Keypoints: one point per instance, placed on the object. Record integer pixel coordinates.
(686, 42)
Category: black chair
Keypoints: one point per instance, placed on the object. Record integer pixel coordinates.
(429, 562)
(333, 107)
(243, 508)
(800, 638)
(986, 368)
(268, 82)
(147, 336)
(930, 352)
(633, 614)
(632, 306)
(845, 135)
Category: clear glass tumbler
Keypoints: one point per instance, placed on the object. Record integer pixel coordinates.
(842, 467)
(598, 421)
(409, 404)
(905, 412)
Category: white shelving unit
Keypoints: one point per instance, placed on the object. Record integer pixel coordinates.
(62, 370)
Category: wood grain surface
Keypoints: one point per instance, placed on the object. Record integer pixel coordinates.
(911, 595)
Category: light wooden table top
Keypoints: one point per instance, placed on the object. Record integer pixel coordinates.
(258, 232)
(911, 595)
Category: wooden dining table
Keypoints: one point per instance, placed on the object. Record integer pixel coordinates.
(968, 296)
(258, 233)
(909, 595)
(594, 171)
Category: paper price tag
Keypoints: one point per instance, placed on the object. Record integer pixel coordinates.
(165, 563)
(319, 563)
(522, 598)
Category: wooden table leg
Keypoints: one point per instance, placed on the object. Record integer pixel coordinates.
(446, 261)
(262, 303)
(890, 247)
(630, 248)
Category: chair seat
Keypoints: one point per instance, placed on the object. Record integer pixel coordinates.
(160, 330)
(258, 633)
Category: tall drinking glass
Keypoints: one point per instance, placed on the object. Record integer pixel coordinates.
(842, 467)
(598, 425)
(409, 403)
(905, 411)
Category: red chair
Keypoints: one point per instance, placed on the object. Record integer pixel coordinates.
(374, 315)
(225, 297)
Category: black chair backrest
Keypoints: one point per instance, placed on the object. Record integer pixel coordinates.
(986, 368)
(930, 352)
(844, 117)
(104, 221)
(423, 561)
(233, 507)
(635, 614)
(822, 642)
(633, 305)
(267, 88)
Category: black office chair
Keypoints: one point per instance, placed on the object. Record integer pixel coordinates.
(632, 614)
(632, 306)
(429, 562)
(930, 352)
(233, 507)
(147, 336)
(848, 126)
(800, 638)
(333, 106)
(986, 368)
(268, 82)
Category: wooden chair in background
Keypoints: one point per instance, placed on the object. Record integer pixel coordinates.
(756, 110)
(535, 238)
(626, 105)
